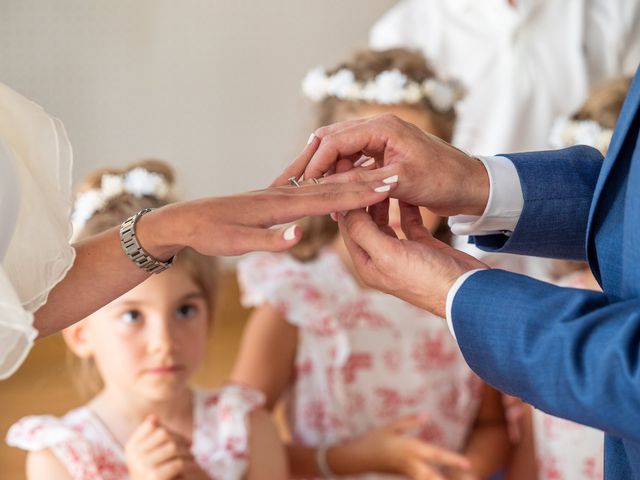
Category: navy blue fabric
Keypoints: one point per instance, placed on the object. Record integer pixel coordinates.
(572, 353)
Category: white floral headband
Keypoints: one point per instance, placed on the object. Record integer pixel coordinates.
(138, 182)
(566, 132)
(391, 87)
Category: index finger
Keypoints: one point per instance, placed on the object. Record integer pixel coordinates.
(440, 456)
(366, 137)
(296, 168)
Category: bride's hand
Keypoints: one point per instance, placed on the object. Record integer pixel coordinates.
(241, 223)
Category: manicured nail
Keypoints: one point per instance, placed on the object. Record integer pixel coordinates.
(290, 233)
(311, 137)
(384, 188)
(360, 161)
(333, 216)
(368, 163)
(390, 180)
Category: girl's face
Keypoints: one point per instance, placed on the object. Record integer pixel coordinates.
(414, 115)
(149, 341)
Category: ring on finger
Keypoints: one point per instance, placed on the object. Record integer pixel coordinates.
(316, 181)
(294, 181)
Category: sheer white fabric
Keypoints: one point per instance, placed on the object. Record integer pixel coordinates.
(35, 161)
(523, 66)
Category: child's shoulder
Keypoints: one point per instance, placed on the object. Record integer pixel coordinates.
(37, 432)
(74, 439)
(232, 398)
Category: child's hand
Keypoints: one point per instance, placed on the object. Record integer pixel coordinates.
(389, 449)
(155, 453)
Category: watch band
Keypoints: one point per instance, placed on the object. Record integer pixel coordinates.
(134, 250)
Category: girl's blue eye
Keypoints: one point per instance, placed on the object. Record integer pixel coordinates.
(186, 311)
(131, 317)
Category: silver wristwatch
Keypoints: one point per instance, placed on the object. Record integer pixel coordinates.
(134, 250)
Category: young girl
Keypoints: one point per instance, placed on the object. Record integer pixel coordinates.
(371, 385)
(145, 420)
(559, 449)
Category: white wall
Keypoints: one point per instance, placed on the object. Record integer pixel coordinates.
(212, 86)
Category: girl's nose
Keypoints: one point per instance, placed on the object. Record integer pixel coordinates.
(160, 338)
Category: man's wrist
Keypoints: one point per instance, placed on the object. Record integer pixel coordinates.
(478, 187)
(451, 294)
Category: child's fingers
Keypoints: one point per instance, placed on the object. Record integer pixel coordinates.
(145, 429)
(159, 436)
(171, 469)
(440, 456)
(166, 452)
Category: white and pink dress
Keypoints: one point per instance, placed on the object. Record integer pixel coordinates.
(85, 447)
(364, 358)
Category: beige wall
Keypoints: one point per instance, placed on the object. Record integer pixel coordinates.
(212, 86)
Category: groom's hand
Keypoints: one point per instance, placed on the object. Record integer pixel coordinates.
(431, 172)
(420, 270)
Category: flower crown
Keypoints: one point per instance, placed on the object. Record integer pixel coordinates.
(566, 132)
(138, 182)
(391, 87)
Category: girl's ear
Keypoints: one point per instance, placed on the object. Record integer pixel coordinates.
(77, 339)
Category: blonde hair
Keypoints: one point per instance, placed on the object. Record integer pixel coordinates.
(603, 106)
(604, 103)
(200, 268)
(366, 65)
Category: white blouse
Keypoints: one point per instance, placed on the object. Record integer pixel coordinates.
(35, 201)
(522, 66)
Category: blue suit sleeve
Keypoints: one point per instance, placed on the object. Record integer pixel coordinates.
(572, 353)
(558, 188)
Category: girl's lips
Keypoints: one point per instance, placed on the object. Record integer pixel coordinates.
(165, 370)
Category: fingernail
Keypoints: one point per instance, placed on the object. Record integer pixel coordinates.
(368, 163)
(311, 137)
(390, 180)
(290, 233)
(333, 216)
(384, 188)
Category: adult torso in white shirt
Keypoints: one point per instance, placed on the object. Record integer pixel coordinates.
(523, 66)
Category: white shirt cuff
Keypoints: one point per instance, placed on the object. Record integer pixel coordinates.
(452, 294)
(504, 206)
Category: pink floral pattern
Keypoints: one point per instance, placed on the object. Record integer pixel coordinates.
(364, 358)
(82, 443)
(566, 450)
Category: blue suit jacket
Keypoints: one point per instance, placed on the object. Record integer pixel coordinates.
(572, 353)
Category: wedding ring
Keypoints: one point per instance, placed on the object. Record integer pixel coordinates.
(316, 181)
(294, 181)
